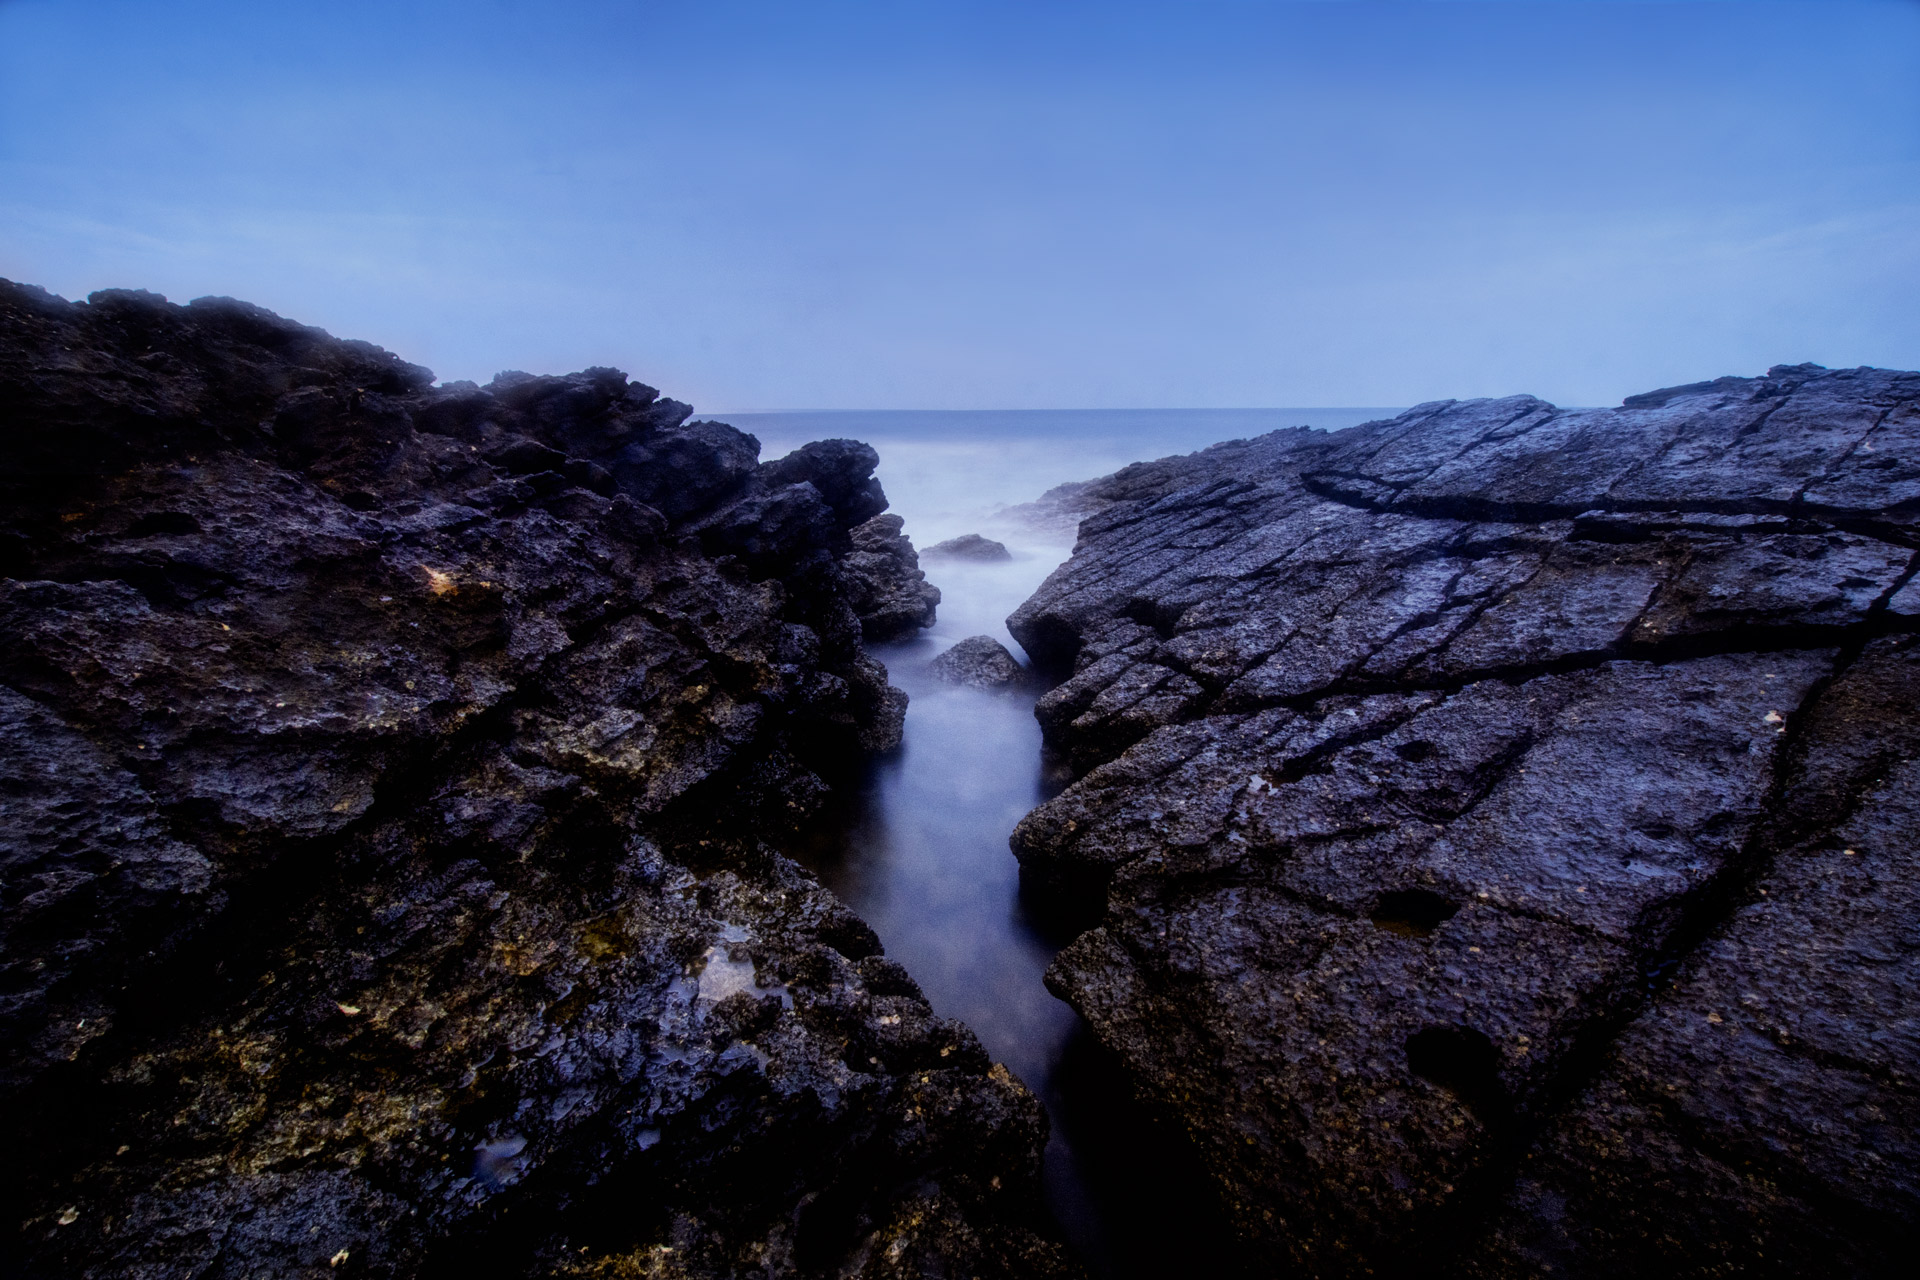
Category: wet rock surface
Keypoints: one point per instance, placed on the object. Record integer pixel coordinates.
(888, 589)
(1492, 829)
(393, 778)
(970, 546)
(980, 662)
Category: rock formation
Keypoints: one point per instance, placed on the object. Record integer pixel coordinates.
(969, 546)
(980, 662)
(887, 587)
(1499, 827)
(392, 782)
(1057, 513)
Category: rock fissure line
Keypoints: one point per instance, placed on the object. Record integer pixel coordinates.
(1841, 461)
(1706, 908)
(1472, 511)
(1798, 640)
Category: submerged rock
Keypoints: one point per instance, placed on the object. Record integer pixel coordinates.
(393, 777)
(885, 583)
(980, 662)
(969, 546)
(1496, 826)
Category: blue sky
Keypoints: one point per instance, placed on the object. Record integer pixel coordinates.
(765, 206)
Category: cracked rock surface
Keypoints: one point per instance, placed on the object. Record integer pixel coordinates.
(393, 778)
(1493, 829)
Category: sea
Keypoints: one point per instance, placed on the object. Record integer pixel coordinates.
(922, 855)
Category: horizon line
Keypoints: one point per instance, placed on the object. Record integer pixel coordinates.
(1275, 408)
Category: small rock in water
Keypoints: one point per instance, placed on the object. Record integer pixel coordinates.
(980, 662)
(969, 546)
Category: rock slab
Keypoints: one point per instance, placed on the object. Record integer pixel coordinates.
(1494, 827)
(394, 777)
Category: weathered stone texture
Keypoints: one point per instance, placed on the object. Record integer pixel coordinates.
(1461, 809)
(392, 776)
(888, 588)
(979, 662)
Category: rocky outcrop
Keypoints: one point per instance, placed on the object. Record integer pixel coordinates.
(887, 588)
(980, 662)
(394, 777)
(1496, 827)
(970, 546)
(1057, 513)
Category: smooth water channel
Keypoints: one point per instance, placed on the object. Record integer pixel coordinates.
(923, 857)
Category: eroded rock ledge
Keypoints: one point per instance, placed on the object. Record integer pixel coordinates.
(391, 781)
(1500, 826)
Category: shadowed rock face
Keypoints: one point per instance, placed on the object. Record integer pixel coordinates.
(391, 776)
(1498, 825)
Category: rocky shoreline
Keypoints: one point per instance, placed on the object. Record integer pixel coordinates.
(1489, 836)
(395, 782)
(1494, 830)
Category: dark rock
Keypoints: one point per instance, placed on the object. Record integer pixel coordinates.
(980, 662)
(969, 546)
(841, 471)
(393, 778)
(1497, 824)
(1770, 1087)
(884, 581)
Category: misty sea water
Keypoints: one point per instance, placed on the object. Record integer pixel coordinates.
(922, 855)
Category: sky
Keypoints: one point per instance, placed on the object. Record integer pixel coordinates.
(1215, 203)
